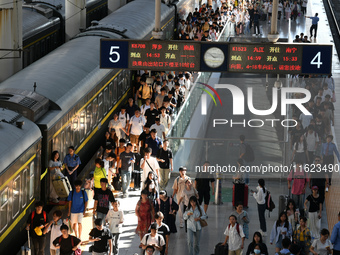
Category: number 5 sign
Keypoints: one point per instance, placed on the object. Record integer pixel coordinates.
(317, 59)
(114, 54)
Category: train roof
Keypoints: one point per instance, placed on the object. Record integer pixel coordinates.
(14, 141)
(134, 20)
(35, 22)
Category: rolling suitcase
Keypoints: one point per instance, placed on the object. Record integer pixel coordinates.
(221, 249)
(26, 250)
(240, 194)
(62, 187)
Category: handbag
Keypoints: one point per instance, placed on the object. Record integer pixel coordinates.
(203, 223)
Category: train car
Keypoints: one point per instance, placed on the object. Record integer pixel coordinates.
(69, 97)
(20, 149)
(44, 25)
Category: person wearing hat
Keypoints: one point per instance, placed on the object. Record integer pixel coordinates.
(315, 212)
(37, 221)
(178, 187)
(159, 127)
(102, 199)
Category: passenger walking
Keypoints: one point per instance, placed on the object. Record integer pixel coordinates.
(281, 230)
(257, 240)
(169, 208)
(335, 237)
(102, 200)
(322, 246)
(115, 218)
(125, 164)
(178, 187)
(77, 207)
(149, 163)
(163, 230)
(71, 162)
(165, 162)
(285, 247)
(193, 215)
(55, 167)
(242, 218)
(327, 153)
(292, 213)
(154, 239)
(300, 152)
(202, 185)
(98, 174)
(234, 237)
(54, 227)
(145, 212)
(315, 212)
(150, 186)
(135, 128)
(66, 243)
(260, 196)
(36, 222)
(302, 236)
(300, 180)
(102, 238)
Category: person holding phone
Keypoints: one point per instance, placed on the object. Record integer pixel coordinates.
(102, 238)
(322, 246)
(315, 212)
(281, 229)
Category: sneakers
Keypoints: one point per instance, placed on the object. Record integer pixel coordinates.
(327, 189)
(181, 225)
(262, 233)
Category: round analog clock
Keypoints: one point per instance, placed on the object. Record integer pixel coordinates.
(214, 57)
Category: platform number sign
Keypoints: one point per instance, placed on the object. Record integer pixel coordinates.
(114, 54)
(317, 59)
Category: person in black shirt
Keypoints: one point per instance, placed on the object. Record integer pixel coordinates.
(164, 158)
(151, 114)
(169, 208)
(319, 179)
(142, 138)
(108, 141)
(35, 223)
(102, 238)
(131, 107)
(102, 199)
(315, 212)
(66, 243)
(202, 185)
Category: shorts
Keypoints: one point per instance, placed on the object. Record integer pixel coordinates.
(76, 218)
(204, 195)
(134, 139)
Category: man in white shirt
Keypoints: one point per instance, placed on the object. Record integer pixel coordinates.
(165, 119)
(154, 239)
(159, 127)
(137, 123)
(234, 236)
(326, 91)
(124, 118)
(145, 106)
(149, 163)
(312, 140)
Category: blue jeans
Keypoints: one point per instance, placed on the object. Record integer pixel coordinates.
(299, 201)
(194, 241)
(126, 179)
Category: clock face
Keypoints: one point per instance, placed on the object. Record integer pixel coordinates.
(214, 57)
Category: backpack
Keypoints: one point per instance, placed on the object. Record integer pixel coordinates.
(270, 206)
(33, 214)
(249, 154)
(77, 251)
(146, 240)
(82, 190)
(237, 228)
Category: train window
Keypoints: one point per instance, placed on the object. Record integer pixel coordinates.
(115, 91)
(127, 80)
(88, 119)
(63, 145)
(120, 86)
(82, 125)
(24, 193)
(110, 95)
(106, 100)
(94, 113)
(100, 106)
(31, 191)
(4, 210)
(69, 138)
(16, 196)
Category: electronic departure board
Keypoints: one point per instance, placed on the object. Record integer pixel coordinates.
(276, 58)
(152, 55)
(269, 58)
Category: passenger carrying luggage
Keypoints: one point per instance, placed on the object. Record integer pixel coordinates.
(26, 250)
(62, 187)
(221, 249)
(240, 194)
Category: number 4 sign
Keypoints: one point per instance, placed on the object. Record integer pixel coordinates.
(317, 59)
